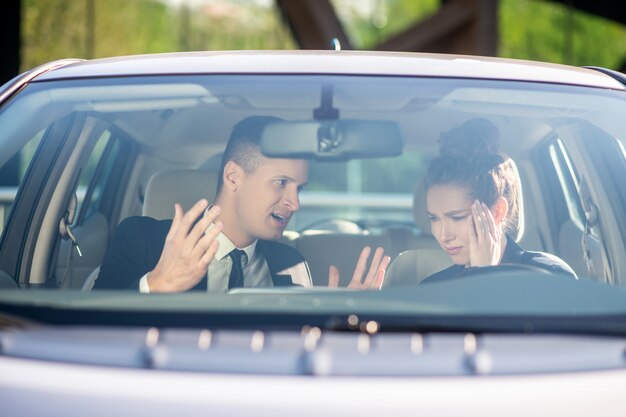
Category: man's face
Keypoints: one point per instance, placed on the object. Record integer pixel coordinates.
(268, 197)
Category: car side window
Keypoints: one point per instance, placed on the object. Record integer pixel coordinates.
(372, 192)
(12, 172)
(98, 176)
(560, 185)
(569, 181)
(90, 180)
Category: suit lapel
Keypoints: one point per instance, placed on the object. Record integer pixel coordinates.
(273, 260)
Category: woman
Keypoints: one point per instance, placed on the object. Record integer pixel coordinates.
(472, 195)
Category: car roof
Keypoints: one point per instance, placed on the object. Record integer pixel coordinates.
(334, 62)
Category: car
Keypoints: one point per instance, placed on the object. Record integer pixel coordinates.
(94, 142)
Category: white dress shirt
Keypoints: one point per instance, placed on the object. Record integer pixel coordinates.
(256, 273)
(255, 270)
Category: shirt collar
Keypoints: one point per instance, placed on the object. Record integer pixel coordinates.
(227, 245)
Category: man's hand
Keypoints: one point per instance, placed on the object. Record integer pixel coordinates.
(374, 278)
(188, 250)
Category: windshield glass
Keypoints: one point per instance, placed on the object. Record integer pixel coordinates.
(491, 198)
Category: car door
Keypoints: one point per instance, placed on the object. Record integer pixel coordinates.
(600, 161)
(100, 185)
(31, 250)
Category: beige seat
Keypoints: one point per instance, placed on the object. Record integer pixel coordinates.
(322, 249)
(417, 253)
(183, 186)
(164, 189)
(425, 239)
(412, 266)
(425, 256)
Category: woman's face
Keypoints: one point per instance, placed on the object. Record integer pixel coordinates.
(449, 207)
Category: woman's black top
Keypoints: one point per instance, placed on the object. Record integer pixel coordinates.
(513, 254)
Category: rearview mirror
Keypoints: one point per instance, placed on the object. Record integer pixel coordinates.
(331, 139)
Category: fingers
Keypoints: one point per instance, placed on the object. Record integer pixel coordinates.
(380, 273)
(189, 248)
(473, 234)
(178, 214)
(478, 220)
(357, 276)
(485, 224)
(200, 228)
(181, 223)
(208, 255)
(376, 273)
(333, 277)
(205, 241)
(482, 217)
(371, 275)
(484, 236)
(189, 219)
(490, 221)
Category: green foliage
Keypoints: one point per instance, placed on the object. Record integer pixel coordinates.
(55, 29)
(529, 29)
(368, 23)
(546, 31)
(233, 25)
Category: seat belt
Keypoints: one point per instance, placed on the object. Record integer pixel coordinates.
(66, 233)
(592, 217)
(591, 220)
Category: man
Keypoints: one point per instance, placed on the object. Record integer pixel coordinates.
(231, 244)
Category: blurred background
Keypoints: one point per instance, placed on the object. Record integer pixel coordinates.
(562, 31)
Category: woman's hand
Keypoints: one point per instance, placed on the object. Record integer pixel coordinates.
(374, 278)
(485, 246)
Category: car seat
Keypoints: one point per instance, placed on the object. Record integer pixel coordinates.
(425, 256)
(183, 186)
(164, 189)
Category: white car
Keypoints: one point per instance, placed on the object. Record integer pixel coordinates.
(91, 143)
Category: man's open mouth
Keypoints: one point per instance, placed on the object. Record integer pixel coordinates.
(281, 219)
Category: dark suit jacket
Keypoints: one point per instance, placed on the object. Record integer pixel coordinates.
(137, 245)
(513, 254)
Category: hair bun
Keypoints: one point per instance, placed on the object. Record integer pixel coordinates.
(476, 140)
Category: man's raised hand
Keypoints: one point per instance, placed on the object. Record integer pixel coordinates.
(188, 250)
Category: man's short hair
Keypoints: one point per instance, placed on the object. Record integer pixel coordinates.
(243, 147)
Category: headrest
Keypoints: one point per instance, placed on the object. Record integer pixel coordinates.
(419, 207)
(184, 186)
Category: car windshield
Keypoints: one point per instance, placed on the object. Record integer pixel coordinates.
(83, 155)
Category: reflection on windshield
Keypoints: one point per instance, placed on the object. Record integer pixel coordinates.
(249, 226)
